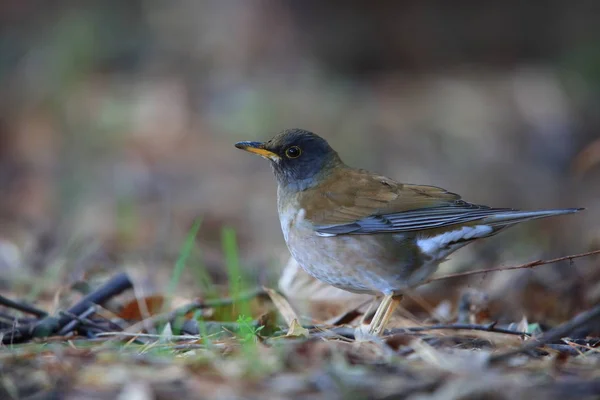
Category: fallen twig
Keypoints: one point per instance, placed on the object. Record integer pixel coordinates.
(113, 287)
(76, 320)
(148, 335)
(49, 325)
(473, 327)
(552, 335)
(26, 308)
(14, 320)
(530, 264)
(349, 332)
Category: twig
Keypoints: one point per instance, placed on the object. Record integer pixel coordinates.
(472, 327)
(349, 332)
(565, 348)
(531, 264)
(76, 320)
(148, 335)
(115, 322)
(113, 287)
(51, 324)
(26, 308)
(17, 320)
(552, 335)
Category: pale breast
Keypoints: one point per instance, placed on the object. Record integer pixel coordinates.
(289, 215)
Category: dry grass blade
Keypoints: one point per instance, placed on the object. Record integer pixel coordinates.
(283, 306)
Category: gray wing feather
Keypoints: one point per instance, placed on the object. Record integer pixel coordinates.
(426, 218)
(437, 217)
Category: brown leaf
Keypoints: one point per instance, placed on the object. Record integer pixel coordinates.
(138, 309)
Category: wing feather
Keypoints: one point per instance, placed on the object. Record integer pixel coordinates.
(375, 204)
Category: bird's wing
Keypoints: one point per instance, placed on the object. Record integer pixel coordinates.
(359, 202)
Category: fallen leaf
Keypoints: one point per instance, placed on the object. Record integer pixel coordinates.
(138, 309)
(296, 329)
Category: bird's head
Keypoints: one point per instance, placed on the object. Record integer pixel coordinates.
(299, 158)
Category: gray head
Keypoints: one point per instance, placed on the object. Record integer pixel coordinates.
(299, 158)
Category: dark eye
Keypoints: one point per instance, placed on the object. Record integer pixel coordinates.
(293, 152)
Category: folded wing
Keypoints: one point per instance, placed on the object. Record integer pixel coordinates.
(375, 204)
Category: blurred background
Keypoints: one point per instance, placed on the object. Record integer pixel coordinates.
(118, 118)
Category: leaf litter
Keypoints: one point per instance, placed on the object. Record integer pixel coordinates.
(107, 344)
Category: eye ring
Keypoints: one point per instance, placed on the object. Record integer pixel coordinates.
(293, 152)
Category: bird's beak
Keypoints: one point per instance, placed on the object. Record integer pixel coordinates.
(258, 148)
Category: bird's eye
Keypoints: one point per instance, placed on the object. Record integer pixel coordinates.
(293, 152)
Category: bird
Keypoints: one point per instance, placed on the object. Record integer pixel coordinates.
(366, 233)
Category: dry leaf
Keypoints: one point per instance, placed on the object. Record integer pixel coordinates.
(138, 309)
(296, 329)
(166, 334)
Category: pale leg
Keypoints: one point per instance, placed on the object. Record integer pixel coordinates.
(384, 313)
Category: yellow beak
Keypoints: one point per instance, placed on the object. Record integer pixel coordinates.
(258, 148)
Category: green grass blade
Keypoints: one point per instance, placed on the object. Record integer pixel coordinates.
(184, 254)
(232, 262)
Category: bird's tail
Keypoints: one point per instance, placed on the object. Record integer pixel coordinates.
(505, 218)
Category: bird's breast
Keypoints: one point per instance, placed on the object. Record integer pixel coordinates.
(291, 220)
(291, 214)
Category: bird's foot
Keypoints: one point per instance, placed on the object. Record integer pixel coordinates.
(384, 313)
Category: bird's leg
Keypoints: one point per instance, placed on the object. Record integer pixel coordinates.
(384, 313)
